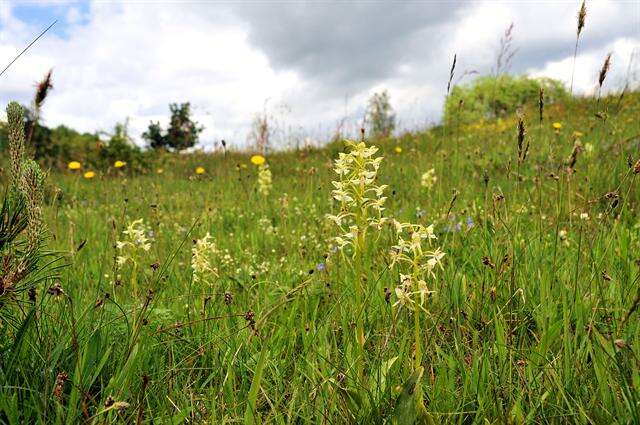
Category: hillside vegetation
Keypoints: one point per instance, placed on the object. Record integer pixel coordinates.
(227, 288)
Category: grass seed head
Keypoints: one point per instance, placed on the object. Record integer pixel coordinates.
(604, 70)
(15, 123)
(32, 188)
(582, 15)
(42, 90)
(541, 104)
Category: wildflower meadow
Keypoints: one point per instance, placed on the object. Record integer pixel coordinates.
(485, 270)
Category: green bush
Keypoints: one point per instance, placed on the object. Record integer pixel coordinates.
(56, 147)
(119, 147)
(493, 97)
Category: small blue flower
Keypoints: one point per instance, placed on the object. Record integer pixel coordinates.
(321, 267)
(469, 222)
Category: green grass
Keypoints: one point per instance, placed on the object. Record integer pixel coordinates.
(523, 327)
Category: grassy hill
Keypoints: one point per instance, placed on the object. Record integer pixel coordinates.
(531, 316)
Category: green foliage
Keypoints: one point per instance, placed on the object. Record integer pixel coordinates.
(70, 145)
(380, 116)
(534, 318)
(154, 136)
(183, 132)
(41, 143)
(120, 147)
(491, 97)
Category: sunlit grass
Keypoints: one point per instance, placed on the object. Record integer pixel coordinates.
(531, 319)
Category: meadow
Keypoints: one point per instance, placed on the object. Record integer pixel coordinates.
(480, 272)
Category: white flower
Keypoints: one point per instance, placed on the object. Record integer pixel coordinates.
(404, 298)
(360, 198)
(429, 179)
(419, 261)
(342, 196)
(264, 179)
(135, 240)
(202, 255)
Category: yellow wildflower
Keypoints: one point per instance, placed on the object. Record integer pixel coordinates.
(398, 149)
(74, 165)
(119, 164)
(556, 126)
(200, 170)
(257, 160)
(89, 175)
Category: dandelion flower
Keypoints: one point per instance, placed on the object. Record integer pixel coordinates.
(257, 160)
(556, 126)
(398, 149)
(89, 175)
(74, 165)
(119, 164)
(200, 170)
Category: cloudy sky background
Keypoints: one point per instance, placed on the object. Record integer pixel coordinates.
(309, 65)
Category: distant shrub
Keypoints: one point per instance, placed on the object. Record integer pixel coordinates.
(56, 147)
(68, 145)
(120, 147)
(493, 97)
(183, 132)
(380, 115)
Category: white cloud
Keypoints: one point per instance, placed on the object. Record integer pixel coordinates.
(132, 60)
(588, 65)
(118, 60)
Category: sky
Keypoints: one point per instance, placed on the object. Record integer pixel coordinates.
(309, 66)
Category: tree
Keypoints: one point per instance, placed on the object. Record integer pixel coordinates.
(154, 136)
(182, 133)
(380, 115)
